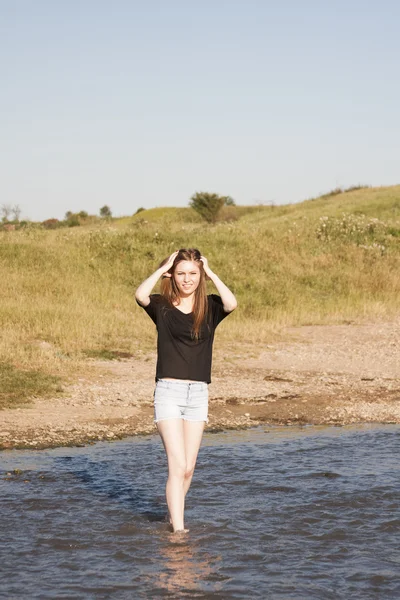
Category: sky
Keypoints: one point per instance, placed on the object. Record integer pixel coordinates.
(141, 104)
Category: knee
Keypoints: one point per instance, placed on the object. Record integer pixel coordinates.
(189, 472)
(178, 470)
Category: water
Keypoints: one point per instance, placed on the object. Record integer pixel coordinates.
(288, 513)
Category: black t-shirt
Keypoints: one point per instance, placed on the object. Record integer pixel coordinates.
(179, 356)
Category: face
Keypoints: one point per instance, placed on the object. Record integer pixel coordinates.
(187, 277)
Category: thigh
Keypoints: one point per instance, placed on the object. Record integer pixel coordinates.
(193, 433)
(172, 435)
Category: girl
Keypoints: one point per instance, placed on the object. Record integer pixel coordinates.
(186, 319)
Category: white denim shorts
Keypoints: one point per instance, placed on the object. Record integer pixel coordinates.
(181, 400)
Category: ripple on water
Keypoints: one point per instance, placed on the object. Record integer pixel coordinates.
(277, 513)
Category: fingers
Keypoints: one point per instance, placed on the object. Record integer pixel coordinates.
(173, 256)
(205, 262)
(206, 267)
(169, 264)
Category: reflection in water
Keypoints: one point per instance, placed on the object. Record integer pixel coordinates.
(182, 567)
(273, 513)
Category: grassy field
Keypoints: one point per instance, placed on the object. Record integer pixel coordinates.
(69, 293)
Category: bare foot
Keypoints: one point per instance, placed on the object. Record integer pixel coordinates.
(181, 531)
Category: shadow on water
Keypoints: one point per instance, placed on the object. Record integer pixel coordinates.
(108, 479)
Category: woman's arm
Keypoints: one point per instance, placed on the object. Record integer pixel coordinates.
(143, 292)
(228, 299)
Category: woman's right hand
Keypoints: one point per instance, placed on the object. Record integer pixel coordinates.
(169, 264)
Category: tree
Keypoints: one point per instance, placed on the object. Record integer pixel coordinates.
(105, 212)
(229, 201)
(16, 211)
(207, 205)
(5, 212)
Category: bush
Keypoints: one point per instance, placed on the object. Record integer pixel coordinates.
(105, 212)
(207, 205)
(73, 221)
(339, 190)
(51, 224)
(354, 188)
(334, 192)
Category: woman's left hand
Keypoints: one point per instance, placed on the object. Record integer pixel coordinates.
(207, 269)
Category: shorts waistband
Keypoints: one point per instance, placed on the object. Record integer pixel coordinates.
(177, 382)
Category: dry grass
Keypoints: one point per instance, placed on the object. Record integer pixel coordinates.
(68, 293)
(18, 385)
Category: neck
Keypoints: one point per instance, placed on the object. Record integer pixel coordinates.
(186, 300)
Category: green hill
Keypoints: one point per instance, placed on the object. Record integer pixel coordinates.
(69, 293)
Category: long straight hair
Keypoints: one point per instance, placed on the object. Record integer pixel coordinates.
(170, 290)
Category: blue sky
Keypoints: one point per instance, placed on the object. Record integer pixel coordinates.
(140, 104)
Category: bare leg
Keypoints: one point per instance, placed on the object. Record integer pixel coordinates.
(171, 432)
(193, 433)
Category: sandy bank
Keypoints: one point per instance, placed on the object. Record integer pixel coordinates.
(320, 375)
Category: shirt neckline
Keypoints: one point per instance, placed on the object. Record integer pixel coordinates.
(181, 311)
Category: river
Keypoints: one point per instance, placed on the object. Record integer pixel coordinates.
(273, 513)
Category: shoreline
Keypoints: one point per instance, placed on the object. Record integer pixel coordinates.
(90, 441)
(319, 375)
(43, 438)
